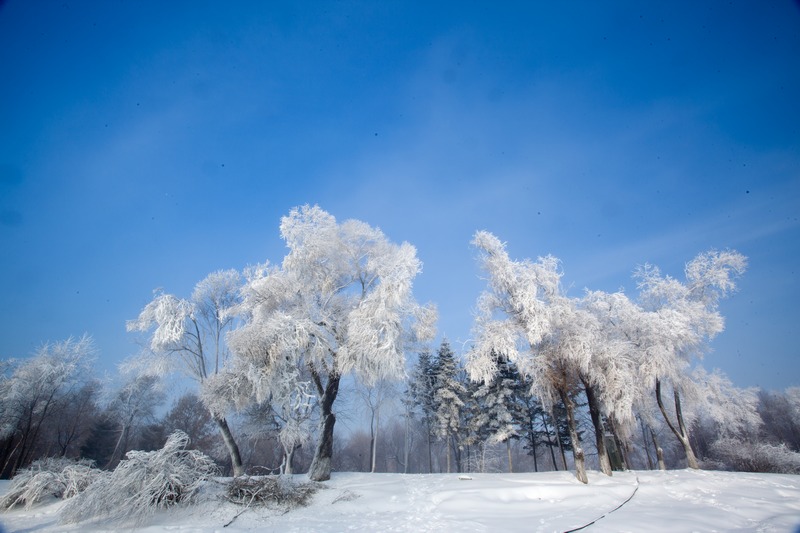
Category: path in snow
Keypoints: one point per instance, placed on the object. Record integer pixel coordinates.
(681, 500)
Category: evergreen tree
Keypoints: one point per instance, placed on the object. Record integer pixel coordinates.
(422, 390)
(499, 415)
(529, 431)
(448, 397)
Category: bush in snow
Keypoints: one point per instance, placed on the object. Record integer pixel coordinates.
(755, 456)
(56, 477)
(143, 483)
(279, 491)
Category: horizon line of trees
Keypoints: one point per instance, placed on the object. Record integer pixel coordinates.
(271, 350)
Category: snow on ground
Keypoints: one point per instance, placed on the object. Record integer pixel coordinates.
(673, 501)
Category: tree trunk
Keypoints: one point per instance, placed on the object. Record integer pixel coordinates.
(8, 470)
(508, 450)
(377, 425)
(557, 433)
(577, 451)
(532, 433)
(646, 447)
(320, 469)
(552, 452)
(622, 446)
(230, 443)
(287, 468)
(122, 436)
(430, 445)
(456, 454)
(659, 452)
(406, 443)
(691, 458)
(447, 447)
(680, 432)
(23, 445)
(599, 431)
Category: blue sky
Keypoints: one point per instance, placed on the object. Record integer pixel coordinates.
(146, 144)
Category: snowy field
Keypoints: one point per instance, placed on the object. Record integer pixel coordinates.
(671, 501)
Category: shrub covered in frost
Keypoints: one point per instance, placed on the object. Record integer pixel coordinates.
(745, 456)
(56, 477)
(143, 483)
(275, 491)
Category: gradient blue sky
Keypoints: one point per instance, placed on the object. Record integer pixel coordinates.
(146, 144)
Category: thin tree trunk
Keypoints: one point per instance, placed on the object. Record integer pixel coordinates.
(8, 470)
(407, 443)
(430, 445)
(577, 451)
(447, 447)
(532, 433)
(508, 450)
(552, 452)
(230, 444)
(646, 447)
(23, 445)
(377, 418)
(320, 469)
(122, 436)
(456, 455)
(599, 431)
(560, 444)
(659, 452)
(680, 432)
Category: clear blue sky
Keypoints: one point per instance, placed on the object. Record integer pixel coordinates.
(146, 144)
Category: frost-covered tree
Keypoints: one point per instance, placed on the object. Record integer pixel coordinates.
(376, 397)
(525, 315)
(448, 397)
(189, 415)
(422, 390)
(188, 336)
(43, 479)
(780, 411)
(34, 393)
(613, 389)
(732, 411)
(681, 319)
(630, 336)
(74, 425)
(132, 408)
(743, 456)
(499, 415)
(531, 433)
(141, 484)
(340, 303)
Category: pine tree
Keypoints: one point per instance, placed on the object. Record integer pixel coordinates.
(529, 432)
(448, 397)
(499, 415)
(422, 390)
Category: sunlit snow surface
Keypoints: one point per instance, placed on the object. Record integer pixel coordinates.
(671, 501)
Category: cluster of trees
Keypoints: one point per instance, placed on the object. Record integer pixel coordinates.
(271, 348)
(619, 354)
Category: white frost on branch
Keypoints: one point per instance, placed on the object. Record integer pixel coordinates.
(341, 301)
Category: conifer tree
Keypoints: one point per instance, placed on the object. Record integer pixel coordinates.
(448, 397)
(499, 416)
(422, 390)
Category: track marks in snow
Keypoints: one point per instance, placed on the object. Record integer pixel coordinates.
(423, 500)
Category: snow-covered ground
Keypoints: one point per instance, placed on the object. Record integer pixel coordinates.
(671, 501)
